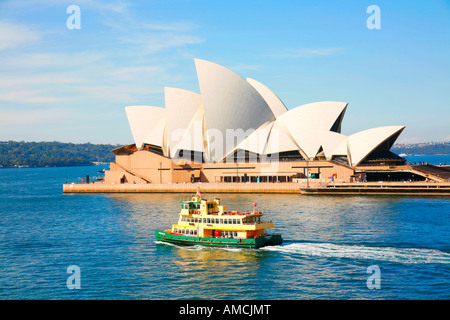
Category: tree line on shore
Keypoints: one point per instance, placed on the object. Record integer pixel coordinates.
(53, 154)
(60, 154)
(429, 148)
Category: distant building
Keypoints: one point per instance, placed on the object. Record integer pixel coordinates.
(238, 130)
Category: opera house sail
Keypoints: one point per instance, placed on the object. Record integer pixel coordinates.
(206, 136)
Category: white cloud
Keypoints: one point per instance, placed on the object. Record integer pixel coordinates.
(153, 42)
(14, 35)
(117, 6)
(21, 117)
(120, 93)
(304, 52)
(17, 81)
(50, 59)
(31, 96)
(135, 73)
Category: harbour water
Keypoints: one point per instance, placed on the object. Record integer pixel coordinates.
(435, 159)
(330, 242)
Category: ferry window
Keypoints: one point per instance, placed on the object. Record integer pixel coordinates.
(234, 221)
(195, 232)
(221, 221)
(235, 233)
(225, 221)
(204, 220)
(196, 220)
(238, 221)
(208, 220)
(217, 220)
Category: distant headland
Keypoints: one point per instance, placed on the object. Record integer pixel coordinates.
(423, 148)
(19, 154)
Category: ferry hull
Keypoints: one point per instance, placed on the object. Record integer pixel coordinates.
(267, 240)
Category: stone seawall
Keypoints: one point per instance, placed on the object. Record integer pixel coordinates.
(183, 188)
(267, 187)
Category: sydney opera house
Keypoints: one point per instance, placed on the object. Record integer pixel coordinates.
(238, 130)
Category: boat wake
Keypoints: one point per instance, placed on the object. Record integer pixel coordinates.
(391, 254)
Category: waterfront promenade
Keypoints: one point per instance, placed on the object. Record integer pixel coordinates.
(286, 187)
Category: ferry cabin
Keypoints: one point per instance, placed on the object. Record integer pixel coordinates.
(200, 218)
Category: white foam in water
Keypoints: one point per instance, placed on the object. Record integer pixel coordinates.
(402, 255)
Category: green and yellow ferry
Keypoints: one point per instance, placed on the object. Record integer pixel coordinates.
(208, 223)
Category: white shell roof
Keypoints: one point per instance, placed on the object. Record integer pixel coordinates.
(230, 103)
(333, 144)
(193, 137)
(256, 141)
(181, 108)
(280, 140)
(276, 105)
(147, 124)
(256, 118)
(304, 122)
(362, 143)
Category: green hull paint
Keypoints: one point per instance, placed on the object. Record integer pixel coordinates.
(268, 240)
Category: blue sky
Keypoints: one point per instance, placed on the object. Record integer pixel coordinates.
(72, 85)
